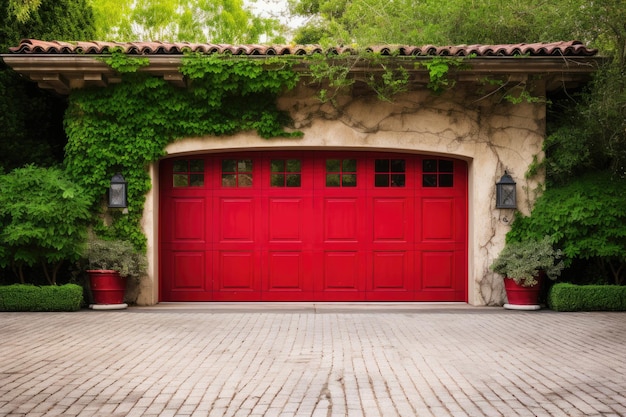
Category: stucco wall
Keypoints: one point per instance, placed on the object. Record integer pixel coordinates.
(490, 134)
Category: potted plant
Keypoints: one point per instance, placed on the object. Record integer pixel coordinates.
(109, 264)
(524, 265)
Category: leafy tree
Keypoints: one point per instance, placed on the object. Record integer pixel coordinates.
(367, 22)
(589, 134)
(43, 220)
(23, 9)
(44, 19)
(31, 119)
(214, 21)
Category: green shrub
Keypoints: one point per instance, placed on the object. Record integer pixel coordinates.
(21, 297)
(570, 297)
(117, 255)
(43, 220)
(523, 261)
(585, 218)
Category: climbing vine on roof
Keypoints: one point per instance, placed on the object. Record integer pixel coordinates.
(126, 127)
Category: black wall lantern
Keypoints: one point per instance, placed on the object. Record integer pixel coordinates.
(118, 192)
(505, 192)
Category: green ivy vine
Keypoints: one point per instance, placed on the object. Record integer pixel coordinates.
(514, 92)
(385, 78)
(120, 62)
(126, 127)
(439, 71)
(333, 72)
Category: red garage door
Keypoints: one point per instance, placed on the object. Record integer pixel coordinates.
(313, 226)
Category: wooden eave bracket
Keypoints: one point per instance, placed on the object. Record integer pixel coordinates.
(177, 79)
(63, 73)
(56, 82)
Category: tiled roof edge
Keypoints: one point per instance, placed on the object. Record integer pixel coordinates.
(34, 46)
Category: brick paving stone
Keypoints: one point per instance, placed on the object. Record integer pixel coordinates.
(232, 360)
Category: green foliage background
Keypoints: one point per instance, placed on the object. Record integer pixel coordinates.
(456, 22)
(215, 21)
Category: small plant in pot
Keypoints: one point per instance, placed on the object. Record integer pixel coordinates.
(109, 264)
(524, 265)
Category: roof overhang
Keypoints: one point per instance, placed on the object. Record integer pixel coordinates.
(63, 67)
(62, 73)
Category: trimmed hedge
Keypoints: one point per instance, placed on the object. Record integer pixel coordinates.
(20, 297)
(570, 297)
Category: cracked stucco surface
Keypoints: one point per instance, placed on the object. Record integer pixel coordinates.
(489, 134)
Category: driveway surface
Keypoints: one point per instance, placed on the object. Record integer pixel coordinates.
(310, 359)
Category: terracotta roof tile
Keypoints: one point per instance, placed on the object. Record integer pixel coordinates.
(33, 46)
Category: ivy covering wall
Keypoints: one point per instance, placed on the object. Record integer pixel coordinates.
(126, 127)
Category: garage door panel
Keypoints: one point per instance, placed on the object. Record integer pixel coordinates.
(287, 219)
(437, 221)
(438, 269)
(189, 276)
(341, 271)
(340, 217)
(285, 271)
(236, 270)
(236, 220)
(188, 218)
(391, 271)
(287, 276)
(390, 217)
(189, 271)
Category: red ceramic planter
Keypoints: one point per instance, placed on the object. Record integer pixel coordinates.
(107, 286)
(520, 295)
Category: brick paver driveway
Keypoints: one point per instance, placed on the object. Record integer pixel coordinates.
(317, 360)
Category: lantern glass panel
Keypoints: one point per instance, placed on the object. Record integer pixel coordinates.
(117, 195)
(505, 196)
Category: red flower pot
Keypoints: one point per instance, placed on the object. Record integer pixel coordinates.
(107, 286)
(527, 298)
